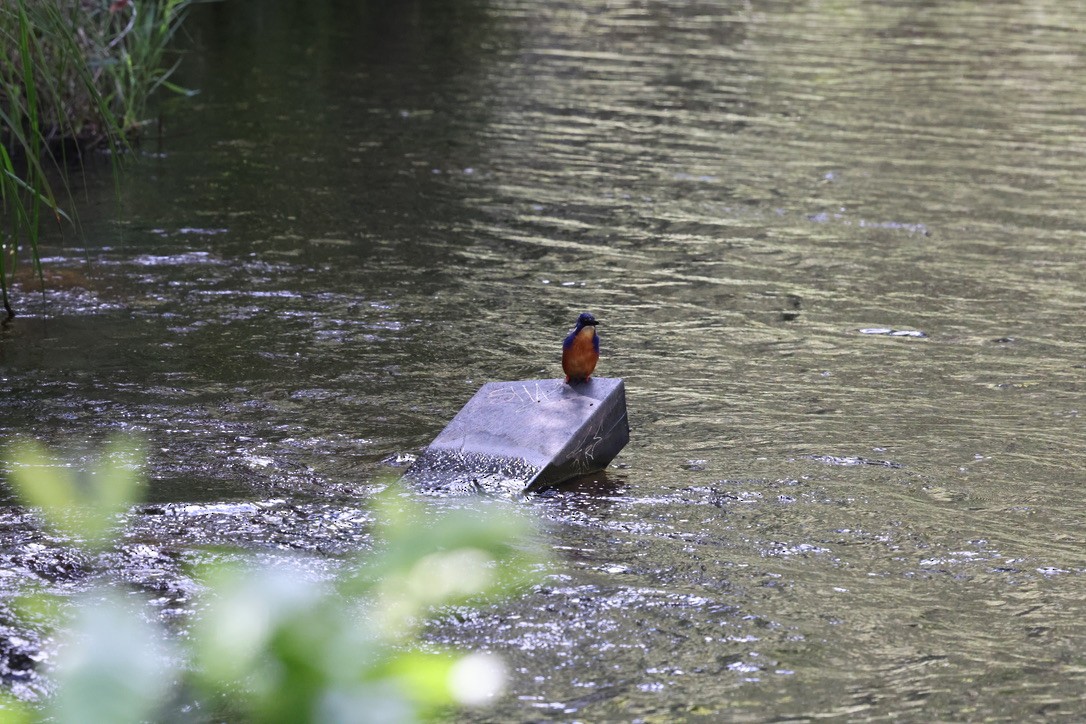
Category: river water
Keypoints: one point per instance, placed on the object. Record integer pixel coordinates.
(838, 252)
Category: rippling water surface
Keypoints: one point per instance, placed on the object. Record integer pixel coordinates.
(839, 256)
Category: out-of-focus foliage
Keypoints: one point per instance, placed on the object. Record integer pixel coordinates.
(270, 643)
(83, 505)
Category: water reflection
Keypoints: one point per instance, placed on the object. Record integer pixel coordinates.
(838, 254)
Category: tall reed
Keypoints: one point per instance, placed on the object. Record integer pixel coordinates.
(74, 75)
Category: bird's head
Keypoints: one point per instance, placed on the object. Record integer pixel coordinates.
(586, 320)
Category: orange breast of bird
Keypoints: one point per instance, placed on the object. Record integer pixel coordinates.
(579, 358)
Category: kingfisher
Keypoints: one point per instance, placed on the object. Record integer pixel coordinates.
(581, 350)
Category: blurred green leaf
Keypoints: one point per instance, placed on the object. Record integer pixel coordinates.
(81, 504)
(115, 666)
(475, 553)
(424, 675)
(247, 609)
(13, 711)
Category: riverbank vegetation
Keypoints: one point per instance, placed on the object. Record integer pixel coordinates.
(75, 75)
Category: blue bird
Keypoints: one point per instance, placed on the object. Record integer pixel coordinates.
(581, 350)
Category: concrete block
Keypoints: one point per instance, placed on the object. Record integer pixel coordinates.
(527, 435)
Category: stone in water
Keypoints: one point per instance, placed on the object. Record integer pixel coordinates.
(529, 434)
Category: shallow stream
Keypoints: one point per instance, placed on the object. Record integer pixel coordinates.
(838, 252)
